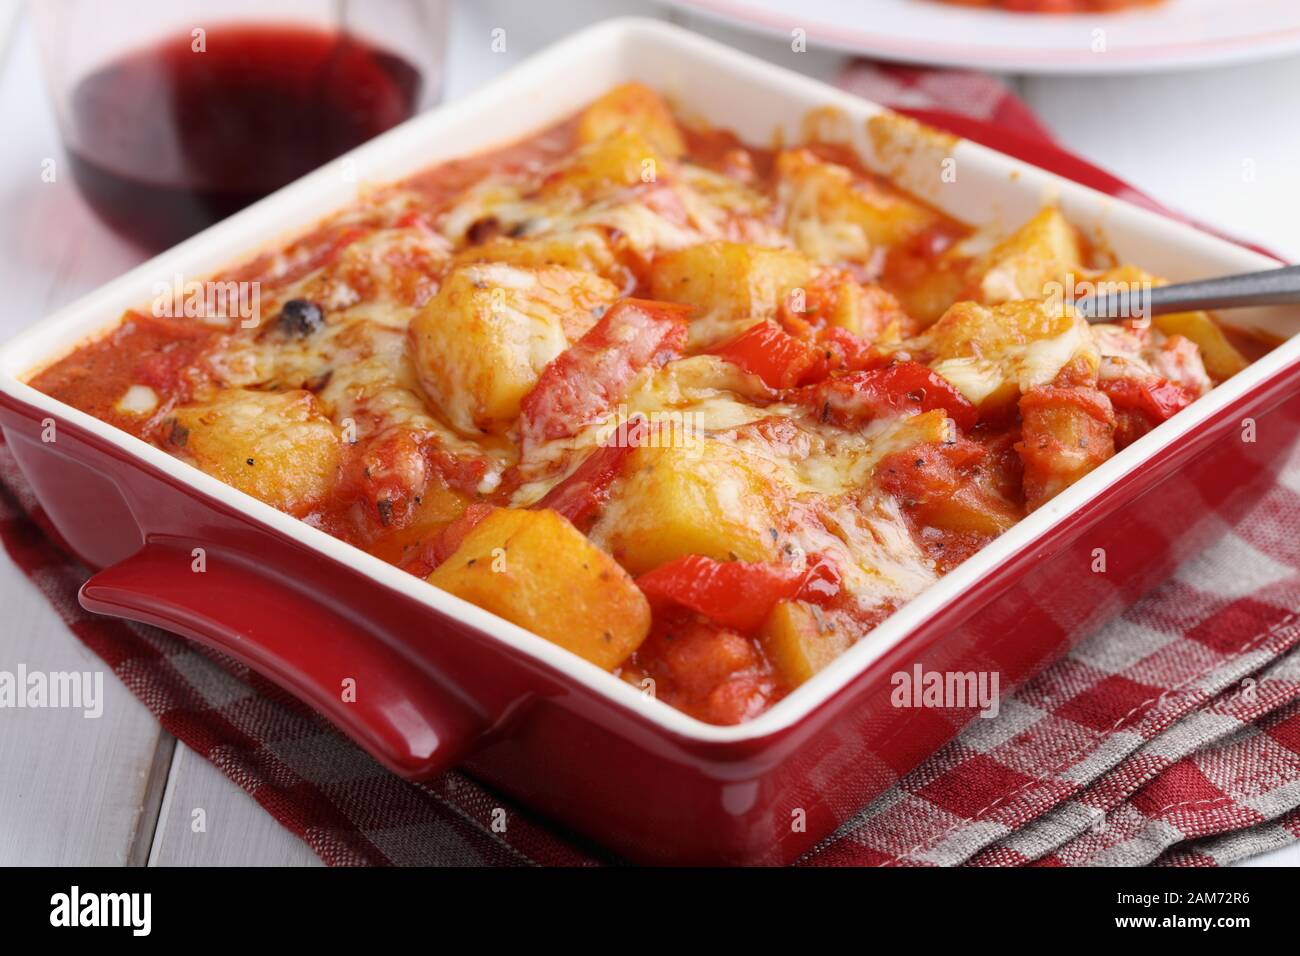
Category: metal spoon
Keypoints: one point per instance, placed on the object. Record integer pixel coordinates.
(1271, 287)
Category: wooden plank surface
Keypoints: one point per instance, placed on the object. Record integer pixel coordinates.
(72, 789)
(205, 820)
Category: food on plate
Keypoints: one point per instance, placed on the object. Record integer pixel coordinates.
(701, 413)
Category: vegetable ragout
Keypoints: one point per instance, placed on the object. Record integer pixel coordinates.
(701, 413)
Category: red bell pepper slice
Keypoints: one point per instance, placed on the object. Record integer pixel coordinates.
(1156, 399)
(576, 497)
(450, 537)
(775, 356)
(850, 352)
(858, 397)
(1085, 398)
(585, 380)
(579, 495)
(737, 594)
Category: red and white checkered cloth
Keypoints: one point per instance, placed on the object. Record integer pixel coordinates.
(1172, 736)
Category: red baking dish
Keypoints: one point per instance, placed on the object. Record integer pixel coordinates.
(441, 682)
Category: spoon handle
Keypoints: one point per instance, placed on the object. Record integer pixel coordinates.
(1271, 287)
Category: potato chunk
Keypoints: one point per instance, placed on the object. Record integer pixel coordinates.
(932, 427)
(632, 106)
(835, 215)
(951, 485)
(1044, 250)
(585, 250)
(733, 285)
(974, 330)
(1221, 358)
(730, 277)
(869, 312)
(1066, 433)
(705, 498)
(992, 355)
(602, 168)
(483, 340)
(536, 570)
(276, 446)
(800, 640)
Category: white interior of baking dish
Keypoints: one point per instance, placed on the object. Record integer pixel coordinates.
(759, 102)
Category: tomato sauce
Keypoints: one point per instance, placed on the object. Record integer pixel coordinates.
(143, 349)
(715, 674)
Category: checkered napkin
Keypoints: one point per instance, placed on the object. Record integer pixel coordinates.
(1172, 736)
(1178, 722)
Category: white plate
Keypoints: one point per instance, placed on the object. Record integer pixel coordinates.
(1173, 35)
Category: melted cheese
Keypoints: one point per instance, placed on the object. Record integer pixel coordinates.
(1002, 352)
(1148, 353)
(138, 400)
(1039, 361)
(877, 555)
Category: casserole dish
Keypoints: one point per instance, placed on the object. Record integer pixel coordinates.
(439, 681)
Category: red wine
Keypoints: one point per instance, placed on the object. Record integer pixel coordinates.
(166, 140)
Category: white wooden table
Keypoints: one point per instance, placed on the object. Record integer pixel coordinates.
(1222, 145)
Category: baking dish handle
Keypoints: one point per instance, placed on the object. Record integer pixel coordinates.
(373, 694)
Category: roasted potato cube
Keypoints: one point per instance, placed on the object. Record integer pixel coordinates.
(632, 106)
(584, 250)
(1065, 433)
(969, 329)
(438, 507)
(704, 498)
(730, 277)
(834, 215)
(800, 640)
(1221, 358)
(993, 354)
(928, 295)
(869, 312)
(954, 484)
(602, 168)
(1044, 250)
(973, 513)
(483, 340)
(536, 570)
(733, 285)
(933, 426)
(276, 446)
